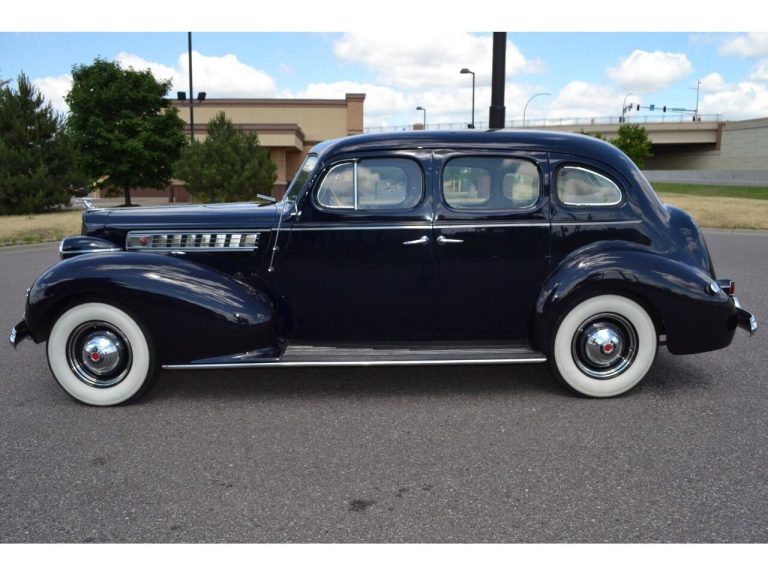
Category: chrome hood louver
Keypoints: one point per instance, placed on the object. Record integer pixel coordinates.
(193, 240)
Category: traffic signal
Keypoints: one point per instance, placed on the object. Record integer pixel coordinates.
(652, 107)
(638, 107)
(664, 109)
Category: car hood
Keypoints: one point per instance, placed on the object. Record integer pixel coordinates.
(240, 215)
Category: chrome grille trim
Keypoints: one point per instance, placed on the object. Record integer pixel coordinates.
(193, 240)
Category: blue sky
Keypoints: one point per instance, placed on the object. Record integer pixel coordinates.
(399, 66)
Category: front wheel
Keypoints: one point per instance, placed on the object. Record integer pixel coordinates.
(100, 355)
(604, 346)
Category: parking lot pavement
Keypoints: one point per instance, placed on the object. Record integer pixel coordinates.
(425, 454)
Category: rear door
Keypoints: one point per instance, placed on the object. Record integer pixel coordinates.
(492, 235)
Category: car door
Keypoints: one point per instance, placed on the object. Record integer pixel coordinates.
(492, 241)
(359, 261)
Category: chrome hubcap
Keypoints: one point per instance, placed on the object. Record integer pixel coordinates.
(99, 354)
(604, 346)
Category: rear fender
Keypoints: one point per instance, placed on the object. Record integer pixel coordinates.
(675, 294)
(192, 312)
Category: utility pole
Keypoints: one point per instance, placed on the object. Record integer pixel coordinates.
(497, 111)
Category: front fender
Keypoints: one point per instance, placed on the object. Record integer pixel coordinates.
(674, 293)
(192, 312)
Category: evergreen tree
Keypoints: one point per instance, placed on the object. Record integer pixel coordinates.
(229, 165)
(125, 129)
(38, 165)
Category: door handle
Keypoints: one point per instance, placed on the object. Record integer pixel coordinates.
(419, 241)
(443, 240)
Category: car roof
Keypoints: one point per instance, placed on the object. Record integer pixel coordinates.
(564, 142)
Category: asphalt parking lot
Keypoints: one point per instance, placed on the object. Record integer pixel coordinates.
(427, 454)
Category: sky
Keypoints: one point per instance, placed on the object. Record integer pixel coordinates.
(401, 64)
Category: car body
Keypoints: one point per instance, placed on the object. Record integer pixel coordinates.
(406, 248)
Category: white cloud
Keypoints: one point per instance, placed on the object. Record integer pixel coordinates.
(651, 71)
(744, 100)
(219, 76)
(54, 89)
(428, 59)
(583, 100)
(713, 82)
(751, 44)
(760, 72)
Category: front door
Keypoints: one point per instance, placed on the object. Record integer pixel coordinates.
(359, 261)
(491, 241)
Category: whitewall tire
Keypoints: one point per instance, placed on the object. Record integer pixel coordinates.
(100, 355)
(604, 346)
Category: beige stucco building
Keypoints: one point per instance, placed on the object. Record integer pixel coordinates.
(287, 127)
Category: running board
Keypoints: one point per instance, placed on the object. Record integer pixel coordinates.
(302, 355)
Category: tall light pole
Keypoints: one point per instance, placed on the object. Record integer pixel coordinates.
(424, 122)
(529, 101)
(696, 112)
(191, 94)
(624, 107)
(497, 111)
(468, 71)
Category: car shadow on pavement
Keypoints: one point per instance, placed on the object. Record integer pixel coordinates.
(436, 381)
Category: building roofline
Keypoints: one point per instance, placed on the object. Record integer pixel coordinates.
(261, 102)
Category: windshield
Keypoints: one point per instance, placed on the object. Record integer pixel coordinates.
(301, 177)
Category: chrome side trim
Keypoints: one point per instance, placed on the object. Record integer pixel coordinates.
(193, 240)
(598, 223)
(491, 224)
(437, 225)
(353, 228)
(68, 252)
(538, 359)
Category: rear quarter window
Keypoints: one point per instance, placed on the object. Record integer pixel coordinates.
(580, 186)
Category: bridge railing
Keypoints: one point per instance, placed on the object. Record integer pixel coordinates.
(585, 123)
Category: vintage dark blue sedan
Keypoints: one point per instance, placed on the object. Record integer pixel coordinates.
(416, 248)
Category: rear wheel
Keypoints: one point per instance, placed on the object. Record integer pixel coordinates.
(604, 346)
(100, 355)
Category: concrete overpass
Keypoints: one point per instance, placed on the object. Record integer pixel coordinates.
(706, 134)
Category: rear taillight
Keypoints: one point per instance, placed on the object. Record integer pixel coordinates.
(727, 286)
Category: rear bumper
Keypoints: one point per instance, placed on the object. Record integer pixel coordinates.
(744, 319)
(18, 333)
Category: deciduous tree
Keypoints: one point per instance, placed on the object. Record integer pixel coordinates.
(633, 140)
(127, 132)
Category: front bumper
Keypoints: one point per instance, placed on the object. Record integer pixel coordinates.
(744, 319)
(19, 332)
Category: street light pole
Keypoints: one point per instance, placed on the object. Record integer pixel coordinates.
(191, 99)
(624, 107)
(696, 113)
(424, 122)
(468, 71)
(529, 101)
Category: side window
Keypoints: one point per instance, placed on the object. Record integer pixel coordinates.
(372, 184)
(578, 186)
(483, 183)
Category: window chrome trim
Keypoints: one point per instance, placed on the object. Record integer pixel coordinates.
(174, 240)
(588, 204)
(354, 183)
